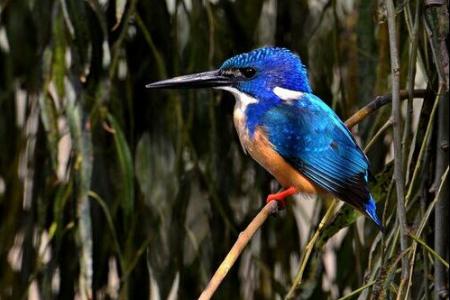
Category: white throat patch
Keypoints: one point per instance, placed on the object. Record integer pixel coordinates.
(286, 94)
(239, 116)
(242, 99)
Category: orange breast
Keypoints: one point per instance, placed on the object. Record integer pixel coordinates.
(260, 148)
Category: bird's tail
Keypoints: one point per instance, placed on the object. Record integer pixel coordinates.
(370, 210)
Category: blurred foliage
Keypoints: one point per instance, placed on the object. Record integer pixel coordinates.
(108, 190)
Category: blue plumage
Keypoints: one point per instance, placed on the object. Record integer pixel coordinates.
(309, 135)
(286, 128)
(271, 65)
(305, 131)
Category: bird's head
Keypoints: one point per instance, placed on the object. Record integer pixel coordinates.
(256, 73)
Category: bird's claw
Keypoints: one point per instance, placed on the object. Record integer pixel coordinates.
(281, 197)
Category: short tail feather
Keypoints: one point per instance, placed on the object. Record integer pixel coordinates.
(371, 211)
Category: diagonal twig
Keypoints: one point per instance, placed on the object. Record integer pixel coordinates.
(238, 247)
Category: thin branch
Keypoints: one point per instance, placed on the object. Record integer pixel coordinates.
(378, 134)
(111, 226)
(441, 213)
(429, 249)
(308, 249)
(378, 102)
(424, 221)
(436, 21)
(423, 148)
(238, 247)
(358, 291)
(412, 59)
(397, 123)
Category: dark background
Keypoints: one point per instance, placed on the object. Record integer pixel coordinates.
(109, 190)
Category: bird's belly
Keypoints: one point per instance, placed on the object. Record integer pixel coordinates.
(261, 150)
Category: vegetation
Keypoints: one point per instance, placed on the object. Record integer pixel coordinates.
(109, 190)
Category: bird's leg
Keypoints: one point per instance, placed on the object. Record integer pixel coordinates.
(280, 196)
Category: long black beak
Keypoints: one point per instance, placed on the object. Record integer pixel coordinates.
(198, 80)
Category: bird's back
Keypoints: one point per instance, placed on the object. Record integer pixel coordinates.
(305, 136)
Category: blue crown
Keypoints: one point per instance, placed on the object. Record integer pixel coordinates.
(278, 66)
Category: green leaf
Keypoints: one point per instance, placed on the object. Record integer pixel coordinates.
(49, 118)
(59, 51)
(125, 165)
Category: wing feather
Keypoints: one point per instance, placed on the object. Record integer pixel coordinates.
(309, 135)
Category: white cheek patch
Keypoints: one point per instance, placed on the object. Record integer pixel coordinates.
(286, 94)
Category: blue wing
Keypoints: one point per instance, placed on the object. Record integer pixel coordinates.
(309, 135)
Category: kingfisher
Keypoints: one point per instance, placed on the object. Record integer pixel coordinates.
(287, 129)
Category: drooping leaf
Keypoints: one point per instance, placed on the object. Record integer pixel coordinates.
(59, 52)
(125, 161)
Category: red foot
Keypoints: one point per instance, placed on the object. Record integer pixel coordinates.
(279, 197)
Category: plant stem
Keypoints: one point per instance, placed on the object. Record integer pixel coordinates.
(441, 214)
(396, 117)
(307, 252)
(436, 16)
(236, 250)
(357, 291)
(378, 102)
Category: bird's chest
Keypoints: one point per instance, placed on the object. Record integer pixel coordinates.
(256, 143)
(240, 123)
(262, 150)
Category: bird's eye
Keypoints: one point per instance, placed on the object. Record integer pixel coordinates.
(247, 72)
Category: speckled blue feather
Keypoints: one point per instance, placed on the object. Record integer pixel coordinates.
(272, 65)
(309, 135)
